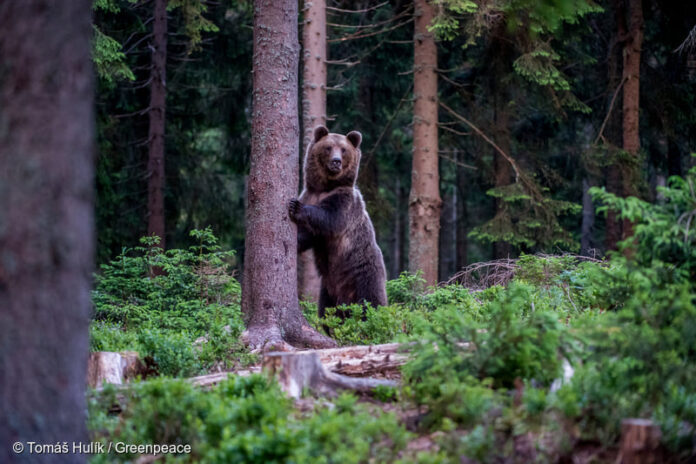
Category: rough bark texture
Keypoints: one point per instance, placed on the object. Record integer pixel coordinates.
(158, 95)
(269, 296)
(631, 94)
(46, 222)
(313, 114)
(424, 200)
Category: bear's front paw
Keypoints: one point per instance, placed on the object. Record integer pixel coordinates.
(295, 209)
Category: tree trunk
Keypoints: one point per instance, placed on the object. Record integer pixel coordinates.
(158, 95)
(46, 223)
(503, 170)
(397, 264)
(448, 235)
(613, 130)
(587, 219)
(269, 297)
(313, 114)
(631, 96)
(462, 213)
(424, 200)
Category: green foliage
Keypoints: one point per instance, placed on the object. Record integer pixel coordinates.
(666, 230)
(158, 303)
(527, 219)
(109, 60)
(241, 420)
(195, 24)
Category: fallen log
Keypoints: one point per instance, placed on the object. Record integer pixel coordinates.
(363, 360)
(302, 370)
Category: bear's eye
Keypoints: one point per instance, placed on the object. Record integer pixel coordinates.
(343, 150)
(327, 149)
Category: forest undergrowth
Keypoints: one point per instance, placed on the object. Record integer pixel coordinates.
(486, 368)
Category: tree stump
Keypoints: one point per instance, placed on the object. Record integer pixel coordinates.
(115, 368)
(640, 442)
(298, 371)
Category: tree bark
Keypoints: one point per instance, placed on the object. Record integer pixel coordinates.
(424, 199)
(631, 95)
(269, 296)
(462, 214)
(46, 223)
(313, 114)
(503, 170)
(158, 96)
(613, 130)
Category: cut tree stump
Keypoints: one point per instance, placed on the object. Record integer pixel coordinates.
(640, 442)
(115, 368)
(298, 371)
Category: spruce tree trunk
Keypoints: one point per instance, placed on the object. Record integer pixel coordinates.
(588, 217)
(269, 296)
(313, 114)
(614, 129)
(46, 223)
(462, 214)
(503, 170)
(631, 95)
(424, 199)
(158, 95)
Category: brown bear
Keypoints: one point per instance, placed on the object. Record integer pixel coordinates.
(331, 219)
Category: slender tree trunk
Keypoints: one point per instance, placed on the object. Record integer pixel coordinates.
(503, 170)
(462, 213)
(588, 218)
(424, 200)
(269, 297)
(46, 223)
(158, 95)
(448, 235)
(396, 266)
(631, 95)
(613, 130)
(313, 114)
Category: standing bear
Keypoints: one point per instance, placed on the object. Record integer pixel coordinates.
(331, 219)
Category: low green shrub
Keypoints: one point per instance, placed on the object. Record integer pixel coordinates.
(242, 420)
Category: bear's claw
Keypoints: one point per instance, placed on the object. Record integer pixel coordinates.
(295, 208)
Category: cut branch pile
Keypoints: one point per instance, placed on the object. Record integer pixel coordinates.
(480, 276)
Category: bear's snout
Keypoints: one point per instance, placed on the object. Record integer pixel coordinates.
(335, 164)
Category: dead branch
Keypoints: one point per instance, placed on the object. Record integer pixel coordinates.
(365, 10)
(484, 137)
(611, 107)
(362, 36)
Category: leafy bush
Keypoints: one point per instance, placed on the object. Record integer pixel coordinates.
(160, 302)
(242, 420)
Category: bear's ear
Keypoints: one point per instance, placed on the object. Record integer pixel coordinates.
(355, 138)
(319, 132)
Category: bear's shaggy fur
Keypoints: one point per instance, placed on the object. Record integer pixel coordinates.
(331, 219)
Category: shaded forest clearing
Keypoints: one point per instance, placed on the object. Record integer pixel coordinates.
(482, 377)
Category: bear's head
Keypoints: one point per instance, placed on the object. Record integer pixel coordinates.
(332, 160)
